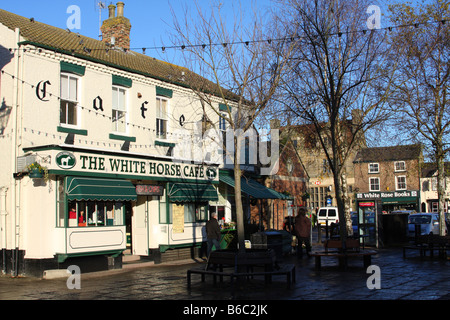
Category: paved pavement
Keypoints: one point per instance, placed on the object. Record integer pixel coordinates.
(401, 279)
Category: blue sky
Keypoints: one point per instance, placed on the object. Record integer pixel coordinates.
(151, 20)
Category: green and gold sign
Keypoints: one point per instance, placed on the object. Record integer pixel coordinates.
(76, 162)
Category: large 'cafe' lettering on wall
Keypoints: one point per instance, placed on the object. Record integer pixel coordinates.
(74, 161)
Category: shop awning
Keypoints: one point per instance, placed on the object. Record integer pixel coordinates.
(192, 192)
(79, 188)
(253, 188)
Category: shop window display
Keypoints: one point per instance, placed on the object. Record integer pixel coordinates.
(95, 213)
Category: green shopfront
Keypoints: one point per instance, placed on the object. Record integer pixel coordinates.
(382, 215)
(108, 203)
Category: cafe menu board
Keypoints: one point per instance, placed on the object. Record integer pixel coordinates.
(178, 218)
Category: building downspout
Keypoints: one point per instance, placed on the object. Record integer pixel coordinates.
(15, 235)
(3, 214)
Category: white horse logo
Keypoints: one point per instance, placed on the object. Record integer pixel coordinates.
(65, 160)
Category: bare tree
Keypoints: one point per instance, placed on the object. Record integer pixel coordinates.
(422, 80)
(236, 70)
(337, 69)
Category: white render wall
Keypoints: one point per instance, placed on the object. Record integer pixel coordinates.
(38, 122)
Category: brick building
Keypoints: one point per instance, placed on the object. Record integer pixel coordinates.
(389, 174)
(291, 180)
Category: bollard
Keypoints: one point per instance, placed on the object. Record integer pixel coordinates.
(417, 232)
(319, 233)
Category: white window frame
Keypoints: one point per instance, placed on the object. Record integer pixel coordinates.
(370, 169)
(115, 124)
(164, 118)
(397, 187)
(370, 184)
(399, 170)
(76, 102)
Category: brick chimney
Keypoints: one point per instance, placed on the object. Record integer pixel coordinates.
(116, 30)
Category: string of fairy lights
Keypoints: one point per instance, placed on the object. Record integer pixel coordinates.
(247, 43)
(176, 134)
(152, 130)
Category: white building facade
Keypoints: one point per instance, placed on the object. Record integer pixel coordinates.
(102, 123)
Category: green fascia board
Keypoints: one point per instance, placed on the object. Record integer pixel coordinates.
(122, 138)
(122, 81)
(160, 91)
(72, 68)
(164, 144)
(223, 107)
(74, 131)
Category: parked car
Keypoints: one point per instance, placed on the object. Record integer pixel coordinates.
(429, 222)
(329, 214)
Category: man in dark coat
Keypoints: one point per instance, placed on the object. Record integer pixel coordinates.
(213, 233)
(303, 232)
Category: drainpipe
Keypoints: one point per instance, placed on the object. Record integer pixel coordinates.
(3, 214)
(14, 218)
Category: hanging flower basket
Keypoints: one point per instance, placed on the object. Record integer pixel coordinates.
(37, 171)
(36, 174)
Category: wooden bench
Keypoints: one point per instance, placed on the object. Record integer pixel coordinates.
(352, 250)
(242, 265)
(430, 242)
(288, 270)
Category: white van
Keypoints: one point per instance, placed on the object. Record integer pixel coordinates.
(328, 213)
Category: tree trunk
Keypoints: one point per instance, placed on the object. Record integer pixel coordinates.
(441, 190)
(238, 195)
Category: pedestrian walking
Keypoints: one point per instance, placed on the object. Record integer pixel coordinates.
(213, 233)
(303, 232)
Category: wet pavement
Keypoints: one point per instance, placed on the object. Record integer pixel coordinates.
(400, 279)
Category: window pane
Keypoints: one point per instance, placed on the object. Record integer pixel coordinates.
(81, 208)
(189, 213)
(119, 99)
(71, 113)
(64, 87)
(91, 213)
(161, 128)
(121, 105)
(118, 214)
(63, 112)
(115, 98)
(73, 89)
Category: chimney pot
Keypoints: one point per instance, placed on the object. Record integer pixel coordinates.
(112, 11)
(120, 6)
(117, 27)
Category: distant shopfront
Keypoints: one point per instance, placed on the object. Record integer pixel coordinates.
(382, 216)
(390, 201)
